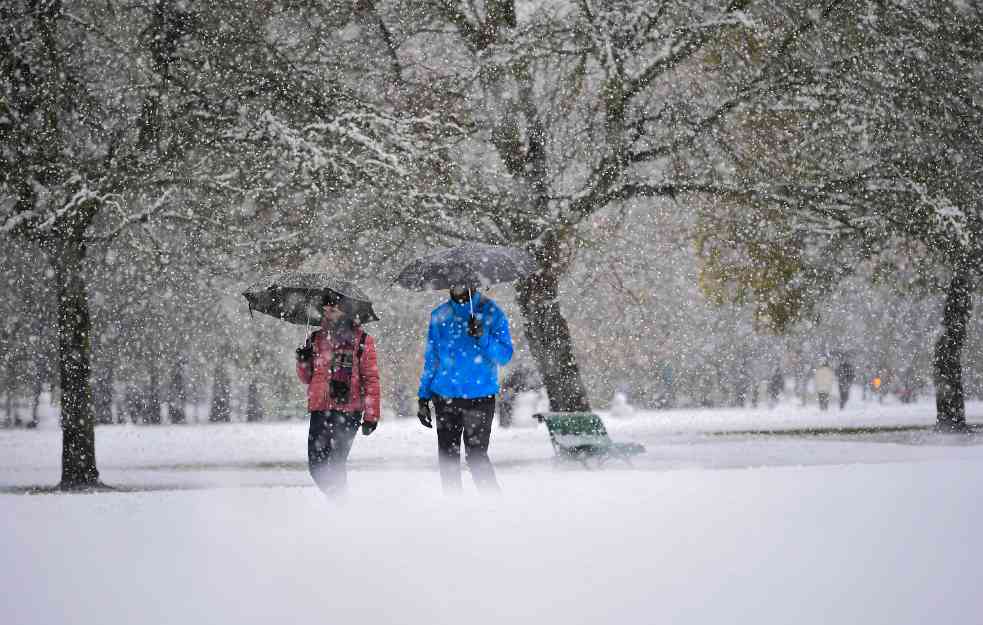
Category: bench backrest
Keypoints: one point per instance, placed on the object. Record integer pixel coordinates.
(575, 428)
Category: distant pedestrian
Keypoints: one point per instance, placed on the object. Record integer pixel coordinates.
(402, 401)
(521, 379)
(667, 395)
(742, 386)
(877, 387)
(845, 375)
(824, 383)
(775, 386)
(467, 341)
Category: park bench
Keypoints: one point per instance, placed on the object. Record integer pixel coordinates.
(581, 436)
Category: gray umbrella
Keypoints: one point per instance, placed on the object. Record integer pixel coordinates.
(474, 264)
(296, 297)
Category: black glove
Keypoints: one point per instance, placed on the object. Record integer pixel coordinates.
(368, 427)
(475, 327)
(305, 353)
(423, 413)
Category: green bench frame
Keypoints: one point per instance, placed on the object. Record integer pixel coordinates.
(581, 436)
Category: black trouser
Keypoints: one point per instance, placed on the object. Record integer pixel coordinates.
(470, 419)
(844, 394)
(329, 442)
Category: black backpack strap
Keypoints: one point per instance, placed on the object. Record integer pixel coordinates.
(361, 345)
(358, 361)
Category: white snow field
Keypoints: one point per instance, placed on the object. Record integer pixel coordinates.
(220, 524)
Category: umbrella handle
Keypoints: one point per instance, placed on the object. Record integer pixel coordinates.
(307, 313)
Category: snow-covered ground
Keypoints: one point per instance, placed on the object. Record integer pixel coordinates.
(220, 524)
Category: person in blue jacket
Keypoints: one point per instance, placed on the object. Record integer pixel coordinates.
(467, 341)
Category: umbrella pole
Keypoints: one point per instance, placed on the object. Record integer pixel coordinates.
(303, 333)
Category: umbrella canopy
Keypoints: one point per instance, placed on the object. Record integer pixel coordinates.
(472, 264)
(296, 297)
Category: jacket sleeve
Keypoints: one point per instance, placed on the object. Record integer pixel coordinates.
(430, 362)
(304, 371)
(496, 343)
(369, 372)
(305, 368)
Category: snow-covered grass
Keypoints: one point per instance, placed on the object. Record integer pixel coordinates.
(220, 524)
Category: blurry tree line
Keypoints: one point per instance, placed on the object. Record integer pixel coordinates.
(156, 156)
(873, 173)
(640, 324)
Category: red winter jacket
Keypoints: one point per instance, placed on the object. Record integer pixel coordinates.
(316, 373)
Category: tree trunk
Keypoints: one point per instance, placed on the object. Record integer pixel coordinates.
(8, 406)
(102, 392)
(78, 458)
(178, 394)
(151, 415)
(37, 387)
(221, 409)
(549, 335)
(950, 402)
(254, 407)
(254, 404)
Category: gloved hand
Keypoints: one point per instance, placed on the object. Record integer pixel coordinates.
(423, 413)
(305, 353)
(475, 327)
(368, 427)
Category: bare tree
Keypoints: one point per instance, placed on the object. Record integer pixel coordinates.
(164, 127)
(576, 108)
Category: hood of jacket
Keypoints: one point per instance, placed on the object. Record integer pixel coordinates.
(464, 310)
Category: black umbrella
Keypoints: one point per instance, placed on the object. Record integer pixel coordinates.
(474, 264)
(296, 297)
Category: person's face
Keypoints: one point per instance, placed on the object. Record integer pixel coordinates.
(460, 294)
(332, 311)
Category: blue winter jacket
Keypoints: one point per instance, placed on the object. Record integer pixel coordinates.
(457, 365)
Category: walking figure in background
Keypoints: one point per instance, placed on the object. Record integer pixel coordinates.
(339, 366)
(775, 387)
(824, 383)
(875, 388)
(520, 380)
(844, 377)
(467, 341)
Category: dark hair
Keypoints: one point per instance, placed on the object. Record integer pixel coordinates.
(331, 298)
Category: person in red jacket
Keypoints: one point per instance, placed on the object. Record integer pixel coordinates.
(338, 365)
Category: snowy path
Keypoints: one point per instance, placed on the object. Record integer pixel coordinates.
(275, 453)
(883, 529)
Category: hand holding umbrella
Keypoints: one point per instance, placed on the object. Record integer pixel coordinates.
(475, 327)
(461, 268)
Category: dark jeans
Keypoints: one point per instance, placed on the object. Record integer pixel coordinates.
(329, 442)
(844, 395)
(470, 420)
